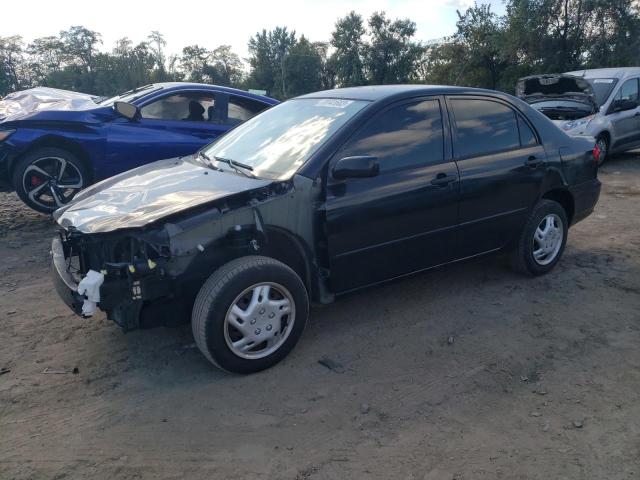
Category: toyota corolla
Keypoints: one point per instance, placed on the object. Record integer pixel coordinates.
(316, 197)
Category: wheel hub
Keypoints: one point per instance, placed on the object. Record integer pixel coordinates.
(259, 320)
(547, 239)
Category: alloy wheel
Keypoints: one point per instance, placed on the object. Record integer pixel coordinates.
(51, 182)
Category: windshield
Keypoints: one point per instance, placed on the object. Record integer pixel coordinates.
(602, 88)
(277, 142)
(131, 95)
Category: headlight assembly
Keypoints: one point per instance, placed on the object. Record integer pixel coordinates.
(572, 124)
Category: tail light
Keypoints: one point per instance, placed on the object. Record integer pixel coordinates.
(596, 154)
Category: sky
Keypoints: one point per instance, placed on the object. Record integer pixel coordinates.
(218, 22)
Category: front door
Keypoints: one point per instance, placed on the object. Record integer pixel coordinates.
(402, 220)
(626, 124)
(502, 166)
(174, 125)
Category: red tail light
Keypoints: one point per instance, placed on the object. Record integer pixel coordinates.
(596, 153)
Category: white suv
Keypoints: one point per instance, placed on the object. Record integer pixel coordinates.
(602, 103)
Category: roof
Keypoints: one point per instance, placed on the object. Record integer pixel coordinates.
(234, 91)
(607, 72)
(378, 92)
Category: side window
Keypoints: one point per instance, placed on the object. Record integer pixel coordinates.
(629, 91)
(407, 135)
(191, 106)
(483, 126)
(527, 137)
(241, 109)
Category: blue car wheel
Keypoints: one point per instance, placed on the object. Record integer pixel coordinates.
(48, 178)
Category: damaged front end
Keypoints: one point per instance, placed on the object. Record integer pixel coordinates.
(129, 270)
(145, 274)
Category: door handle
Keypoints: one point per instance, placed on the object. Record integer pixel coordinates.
(442, 180)
(533, 162)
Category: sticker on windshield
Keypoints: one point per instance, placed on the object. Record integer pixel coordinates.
(333, 102)
(603, 80)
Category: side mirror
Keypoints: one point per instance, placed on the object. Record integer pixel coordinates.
(623, 105)
(127, 110)
(356, 167)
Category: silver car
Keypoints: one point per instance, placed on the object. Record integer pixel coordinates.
(602, 103)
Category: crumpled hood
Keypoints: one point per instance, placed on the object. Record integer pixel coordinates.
(149, 193)
(19, 105)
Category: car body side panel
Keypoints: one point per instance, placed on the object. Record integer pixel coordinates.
(390, 225)
(134, 143)
(90, 139)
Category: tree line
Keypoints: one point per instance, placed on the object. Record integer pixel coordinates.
(486, 50)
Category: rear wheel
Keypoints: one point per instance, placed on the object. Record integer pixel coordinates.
(249, 314)
(48, 178)
(542, 240)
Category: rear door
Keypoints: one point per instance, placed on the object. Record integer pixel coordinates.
(402, 220)
(626, 125)
(502, 166)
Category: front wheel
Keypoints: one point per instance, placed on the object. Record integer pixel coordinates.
(603, 147)
(48, 178)
(542, 240)
(249, 314)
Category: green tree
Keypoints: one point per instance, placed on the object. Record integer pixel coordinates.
(328, 74)
(614, 38)
(303, 68)
(81, 46)
(480, 34)
(392, 56)
(224, 67)
(46, 56)
(347, 59)
(13, 74)
(156, 44)
(268, 51)
(193, 61)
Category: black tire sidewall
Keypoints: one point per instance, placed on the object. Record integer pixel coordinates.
(544, 208)
(29, 158)
(215, 322)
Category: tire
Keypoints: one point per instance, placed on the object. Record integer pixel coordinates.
(549, 249)
(216, 329)
(603, 144)
(48, 178)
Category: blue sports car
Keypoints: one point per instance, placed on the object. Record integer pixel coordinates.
(54, 143)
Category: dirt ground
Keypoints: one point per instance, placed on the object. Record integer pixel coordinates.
(468, 372)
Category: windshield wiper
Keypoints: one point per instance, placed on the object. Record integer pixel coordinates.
(237, 166)
(207, 160)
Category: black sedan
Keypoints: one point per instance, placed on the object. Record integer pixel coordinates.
(318, 196)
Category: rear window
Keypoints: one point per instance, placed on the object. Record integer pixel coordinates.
(483, 127)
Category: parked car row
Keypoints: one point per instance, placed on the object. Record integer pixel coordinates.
(54, 143)
(304, 202)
